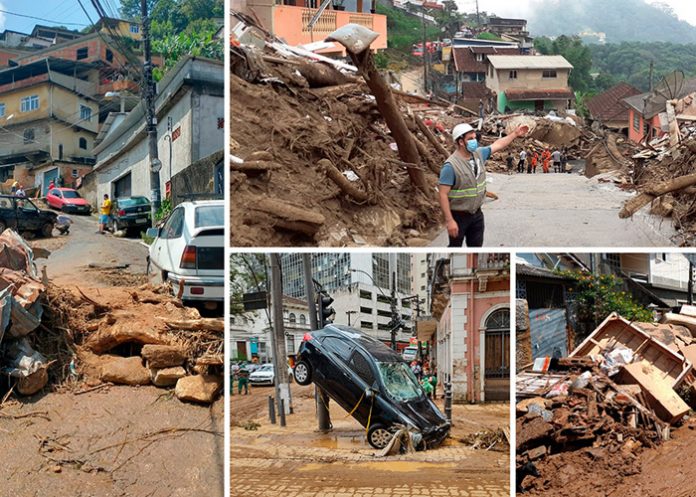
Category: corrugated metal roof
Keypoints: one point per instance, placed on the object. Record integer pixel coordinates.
(529, 62)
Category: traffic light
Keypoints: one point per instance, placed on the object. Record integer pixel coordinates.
(326, 313)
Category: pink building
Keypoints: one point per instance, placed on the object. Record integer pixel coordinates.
(471, 342)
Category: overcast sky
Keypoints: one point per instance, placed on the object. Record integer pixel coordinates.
(685, 9)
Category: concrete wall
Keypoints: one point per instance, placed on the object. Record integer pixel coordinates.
(208, 132)
(198, 178)
(527, 79)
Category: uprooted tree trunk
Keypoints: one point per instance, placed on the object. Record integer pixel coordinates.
(341, 181)
(636, 203)
(408, 152)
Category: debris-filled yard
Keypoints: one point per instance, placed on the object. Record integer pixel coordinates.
(104, 389)
(607, 419)
(272, 461)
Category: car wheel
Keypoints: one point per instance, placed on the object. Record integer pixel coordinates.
(302, 373)
(379, 436)
(47, 230)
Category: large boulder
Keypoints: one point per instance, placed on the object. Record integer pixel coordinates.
(200, 388)
(167, 377)
(163, 356)
(125, 371)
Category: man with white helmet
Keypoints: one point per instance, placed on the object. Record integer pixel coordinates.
(463, 184)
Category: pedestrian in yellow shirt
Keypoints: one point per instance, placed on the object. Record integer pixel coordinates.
(104, 213)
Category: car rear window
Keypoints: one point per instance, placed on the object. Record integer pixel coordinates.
(400, 383)
(361, 367)
(209, 215)
(132, 201)
(70, 194)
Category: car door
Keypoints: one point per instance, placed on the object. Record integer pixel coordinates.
(365, 379)
(341, 382)
(160, 253)
(28, 218)
(8, 213)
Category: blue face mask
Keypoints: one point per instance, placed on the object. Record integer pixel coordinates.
(472, 145)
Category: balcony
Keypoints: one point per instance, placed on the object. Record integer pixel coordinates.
(493, 261)
(291, 24)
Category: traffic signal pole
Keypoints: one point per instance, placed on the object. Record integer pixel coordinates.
(321, 400)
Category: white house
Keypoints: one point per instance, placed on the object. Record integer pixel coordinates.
(190, 126)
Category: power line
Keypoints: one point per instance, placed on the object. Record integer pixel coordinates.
(42, 19)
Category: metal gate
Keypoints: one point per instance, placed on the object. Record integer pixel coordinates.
(548, 332)
(48, 176)
(122, 186)
(497, 356)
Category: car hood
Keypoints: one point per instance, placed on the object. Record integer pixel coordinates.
(423, 412)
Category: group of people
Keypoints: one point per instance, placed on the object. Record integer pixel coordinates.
(532, 159)
(426, 377)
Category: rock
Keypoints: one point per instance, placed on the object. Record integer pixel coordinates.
(125, 371)
(55, 469)
(29, 385)
(163, 356)
(167, 377)
(536, 453)
(199, 388)
(110, 337)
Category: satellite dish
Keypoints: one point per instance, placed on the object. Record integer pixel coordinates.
(671, 85)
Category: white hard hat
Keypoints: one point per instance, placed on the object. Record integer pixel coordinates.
(460, 130)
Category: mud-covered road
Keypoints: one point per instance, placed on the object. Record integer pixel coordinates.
(297, 461)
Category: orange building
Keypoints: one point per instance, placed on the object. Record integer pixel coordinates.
(290, 19)
(471, 343)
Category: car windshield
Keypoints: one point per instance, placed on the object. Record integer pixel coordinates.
(132, 201)
(400, 382)
(210, 215)
(70, 194)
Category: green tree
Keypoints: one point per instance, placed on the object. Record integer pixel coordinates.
(573, 50)
(196, 43)
(248, 273)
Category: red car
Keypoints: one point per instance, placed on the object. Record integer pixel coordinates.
(67, 200)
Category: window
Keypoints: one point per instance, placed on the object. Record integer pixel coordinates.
(303, 319)
(74, 173)
(135, 29)
(212, 215)
(2, 110)
(82, 53)
(513, 74)
(174, 226)
(29, 135)
(399, 381)
(380, 270)
(85, 113)
(361, 367)
(339, 347)
(366, 310)
(367, 325)
(109, 55)
(549, 74)
(83, 143)
(292, 318)
(27, 104)
(479, 57)
(636, 122)
(364, 294)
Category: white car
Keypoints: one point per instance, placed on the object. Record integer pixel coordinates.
(409, 353)
(263, 376)
(188, 251)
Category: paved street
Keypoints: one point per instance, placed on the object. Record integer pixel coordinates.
(297, 461)
(564, 210)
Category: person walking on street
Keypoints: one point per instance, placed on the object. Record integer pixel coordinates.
(509, 160)
(104, 213)
(520, 164)
(462, 187)
(556, 161)
(243, 381)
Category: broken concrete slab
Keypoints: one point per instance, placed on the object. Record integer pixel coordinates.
(658, 392)
(167, 377)
(163, 356)
(108, 338)
(532, 431)
(200, 388)
(125, 371)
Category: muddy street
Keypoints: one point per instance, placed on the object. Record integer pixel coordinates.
(295, 461)
(564, 210)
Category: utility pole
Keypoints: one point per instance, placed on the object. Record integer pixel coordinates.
(348, 313)
(425, 65)
(691, 283)
(394, 312)
(278, 338)
(148, 92)
(651, 75)
(321, 400)
(478, 14)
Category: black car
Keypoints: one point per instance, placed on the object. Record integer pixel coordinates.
(131, 213)
(371, 381)
(20, 214)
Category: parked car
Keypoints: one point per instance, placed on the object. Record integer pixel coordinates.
(67, 200)
(409, 353)
(188, 250)
(131, 213)
(265, 375)
(371, 381)
(21, 214)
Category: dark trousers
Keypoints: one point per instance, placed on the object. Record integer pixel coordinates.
(520, 166)
(557, 167)
(471, 229)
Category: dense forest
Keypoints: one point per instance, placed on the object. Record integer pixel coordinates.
(621, 20)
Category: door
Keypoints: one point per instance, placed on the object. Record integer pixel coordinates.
(122, 186)
(340, 384)
(538, 105)
(8, 214)
(48, 176)
(241, 350)
(497, 356)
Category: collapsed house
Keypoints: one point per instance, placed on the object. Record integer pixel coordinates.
(623, 389)
(52, 337)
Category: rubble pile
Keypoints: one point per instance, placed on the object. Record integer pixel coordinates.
(65, 338)
(614, 396)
